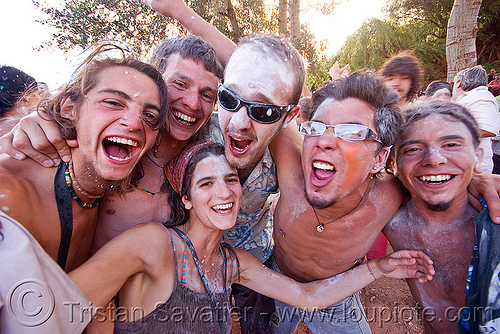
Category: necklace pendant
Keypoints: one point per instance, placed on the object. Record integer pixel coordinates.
(320, 228)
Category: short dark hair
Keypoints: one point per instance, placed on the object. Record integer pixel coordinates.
(405, 63)
(371, 89)
(437, 85)
(191, 47)
(86, 77)
(472, 77)
(451, 110)
(179, 215)
(305, 104)
(281, 49)
(14, 83)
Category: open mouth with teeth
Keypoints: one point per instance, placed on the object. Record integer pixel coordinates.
(183, 118)
(223, 208)
(436, 179)
(119, 148)
(239, 145)
(323, 170)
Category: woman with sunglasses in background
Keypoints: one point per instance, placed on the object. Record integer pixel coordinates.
(178, 280)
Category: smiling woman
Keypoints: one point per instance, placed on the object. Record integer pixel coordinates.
(200, 276)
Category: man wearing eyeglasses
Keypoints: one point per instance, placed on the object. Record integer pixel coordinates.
(330, 227)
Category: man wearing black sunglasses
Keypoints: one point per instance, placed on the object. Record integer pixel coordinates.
(262, 84)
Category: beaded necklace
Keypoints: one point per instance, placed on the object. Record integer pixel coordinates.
(157, 165)
(154, 162)
(146, 191)
(184, 259)
(69, 183)
(78, 186)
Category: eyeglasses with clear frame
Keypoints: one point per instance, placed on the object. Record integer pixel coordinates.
(344, 131)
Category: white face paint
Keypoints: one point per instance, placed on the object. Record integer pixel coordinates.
(5, 208)
(254, 76)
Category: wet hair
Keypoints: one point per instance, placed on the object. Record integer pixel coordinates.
(371, 89)
(450, 110)
(405, 63)
(86, 77)
(190, 47)
(14, 84)
(179, 214)
(472, 77)
(437, 85)
(283, 51)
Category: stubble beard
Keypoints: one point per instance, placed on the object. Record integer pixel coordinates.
(439, 207)
(317, 203)
(88, 171)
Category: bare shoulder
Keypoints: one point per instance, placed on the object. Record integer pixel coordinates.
(389, 190)
(148, 236)
(20, 190)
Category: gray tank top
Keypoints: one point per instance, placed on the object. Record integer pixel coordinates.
(186, 311)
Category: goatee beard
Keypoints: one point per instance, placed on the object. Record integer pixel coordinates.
(318, 203)
(439, 207)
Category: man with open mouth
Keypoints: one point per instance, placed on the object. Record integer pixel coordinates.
(113, 107)
(435, 158)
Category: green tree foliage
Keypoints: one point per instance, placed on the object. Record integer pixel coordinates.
(82, 23)
(488, 35)
(418, 25)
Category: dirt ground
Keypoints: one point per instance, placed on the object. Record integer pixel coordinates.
(389, 307)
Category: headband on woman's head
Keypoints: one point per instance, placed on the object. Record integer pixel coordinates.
(176, 168)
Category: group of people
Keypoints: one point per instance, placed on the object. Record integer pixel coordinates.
(157, 210)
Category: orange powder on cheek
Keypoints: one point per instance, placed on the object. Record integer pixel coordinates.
(353, 159)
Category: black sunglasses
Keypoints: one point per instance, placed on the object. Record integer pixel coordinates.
(265, 113)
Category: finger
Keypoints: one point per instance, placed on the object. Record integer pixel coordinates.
(32, 149)
(53, 135)
(492, 198)
(476, 203)
(6, 146)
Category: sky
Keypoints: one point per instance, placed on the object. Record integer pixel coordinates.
(21, 34)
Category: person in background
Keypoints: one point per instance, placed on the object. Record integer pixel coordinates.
(470, 90)
(18, 93)
(491, 75)
(403, 73)
(438, 90)
(494, 85)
